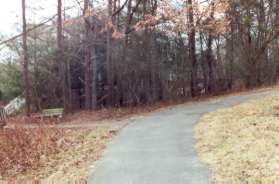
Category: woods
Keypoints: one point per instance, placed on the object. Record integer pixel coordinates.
(76, 73)
(118, 53)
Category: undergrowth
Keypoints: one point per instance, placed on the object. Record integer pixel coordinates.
(50, 155)
(23, 149)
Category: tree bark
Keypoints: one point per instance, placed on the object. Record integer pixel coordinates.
(25, 60)
(87, 55)
(109, 63)
(192, 50)
(60, 54)
(90, 60)
(210, 58)
(68, 79)
(231, 45)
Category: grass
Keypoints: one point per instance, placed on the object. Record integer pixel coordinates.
(241, 144)
(50, 155)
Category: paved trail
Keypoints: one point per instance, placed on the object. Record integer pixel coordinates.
(159, 148)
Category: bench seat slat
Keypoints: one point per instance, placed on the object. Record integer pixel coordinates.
(53, 112)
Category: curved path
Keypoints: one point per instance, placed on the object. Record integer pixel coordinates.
(159, 148)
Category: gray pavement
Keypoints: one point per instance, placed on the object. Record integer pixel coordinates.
(159, 148)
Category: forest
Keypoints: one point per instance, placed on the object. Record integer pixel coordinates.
(119, 53)
(139, 91)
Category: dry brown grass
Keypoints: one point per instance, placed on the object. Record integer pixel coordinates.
(241, 144)
(47, 155)
(20, 120)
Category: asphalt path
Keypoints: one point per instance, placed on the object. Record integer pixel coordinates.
(159, 148)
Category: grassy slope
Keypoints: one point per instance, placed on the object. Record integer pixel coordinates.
(241, 144)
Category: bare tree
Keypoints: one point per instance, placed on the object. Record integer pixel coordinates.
(192, 49)
(210, 57)
(25, 60)
(89, 64)
(87, 56)
(109, 63)
(60, 51)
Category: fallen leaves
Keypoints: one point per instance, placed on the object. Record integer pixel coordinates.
(50, 155)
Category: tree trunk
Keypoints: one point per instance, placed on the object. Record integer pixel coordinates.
(68, 80)
(121, 82)
(192, 51)
(109, 64)
(209, 57)
(25, 60)
(231, 47)
(60, 54)
(90, 59)
(276, 46)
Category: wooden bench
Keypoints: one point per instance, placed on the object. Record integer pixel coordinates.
(3, 117)
(52, 113)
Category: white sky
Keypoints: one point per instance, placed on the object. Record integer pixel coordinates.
(10, 13)
(37, 11)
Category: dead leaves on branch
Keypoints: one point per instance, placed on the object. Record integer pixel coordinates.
(169, 13)
(173, 15)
